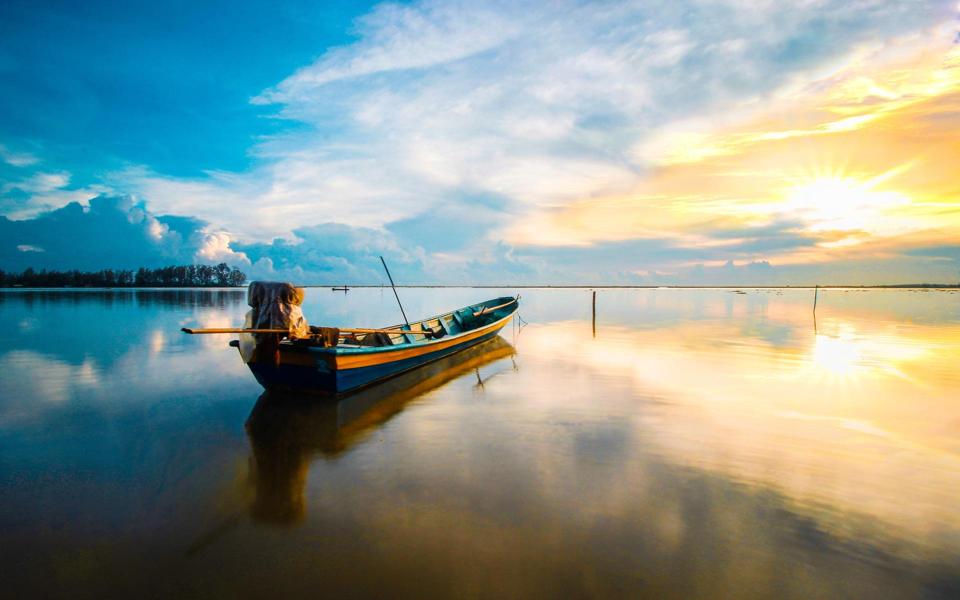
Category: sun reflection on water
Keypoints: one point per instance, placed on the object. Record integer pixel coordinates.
(837, 420)
(837, 356)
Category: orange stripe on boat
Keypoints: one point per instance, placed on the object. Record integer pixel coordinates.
(355, 361)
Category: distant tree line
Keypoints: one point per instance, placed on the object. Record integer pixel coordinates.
(175, 276)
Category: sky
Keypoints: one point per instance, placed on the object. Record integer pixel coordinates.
(717, 142)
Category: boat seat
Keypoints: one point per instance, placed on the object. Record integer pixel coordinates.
(407, 337)
(450, 324)
(465, 318)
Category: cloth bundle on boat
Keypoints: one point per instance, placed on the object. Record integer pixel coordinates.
(276, 305)
(273, 305)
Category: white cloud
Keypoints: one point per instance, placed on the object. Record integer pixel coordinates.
(39, 183)
(40, 202)
(290, 193)
(215, 248)
(399, 37)
(17, 159)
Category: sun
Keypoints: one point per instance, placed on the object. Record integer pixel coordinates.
(838, 203)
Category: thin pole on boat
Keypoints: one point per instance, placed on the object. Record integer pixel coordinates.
(395, 292)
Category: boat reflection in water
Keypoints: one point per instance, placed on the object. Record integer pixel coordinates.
(287, 430)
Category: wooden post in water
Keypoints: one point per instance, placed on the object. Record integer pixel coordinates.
(594, 313)
(816, 292)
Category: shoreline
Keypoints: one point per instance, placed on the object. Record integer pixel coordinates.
(912, 286)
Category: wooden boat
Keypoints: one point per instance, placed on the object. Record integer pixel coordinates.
(306, 365)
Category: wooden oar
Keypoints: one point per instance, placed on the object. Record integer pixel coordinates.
(393, 331)
(232, 330)
(353, 330)
(485, 310)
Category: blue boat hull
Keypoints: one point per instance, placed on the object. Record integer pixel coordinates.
(318, 377)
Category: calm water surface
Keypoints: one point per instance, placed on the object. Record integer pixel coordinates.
(703, 443)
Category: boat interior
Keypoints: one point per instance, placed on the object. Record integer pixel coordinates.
(434, 328)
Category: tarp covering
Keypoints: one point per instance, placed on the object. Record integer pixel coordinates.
(273, 305)
(276, 305)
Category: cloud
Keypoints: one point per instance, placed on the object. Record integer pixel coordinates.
(38, 183)
(946, 253)
(334, 252)
(402, 38)
(111, 232)
(17, 159)
(30, 194)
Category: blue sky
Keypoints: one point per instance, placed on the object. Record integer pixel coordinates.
(164, 84)
(514, 142)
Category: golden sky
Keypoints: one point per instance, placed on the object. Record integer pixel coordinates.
(861, 159)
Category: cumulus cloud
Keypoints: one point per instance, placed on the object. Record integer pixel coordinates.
(109, 232)
(31, 193)
(332, 252)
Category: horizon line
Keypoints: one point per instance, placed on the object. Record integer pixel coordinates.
(927, 286)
